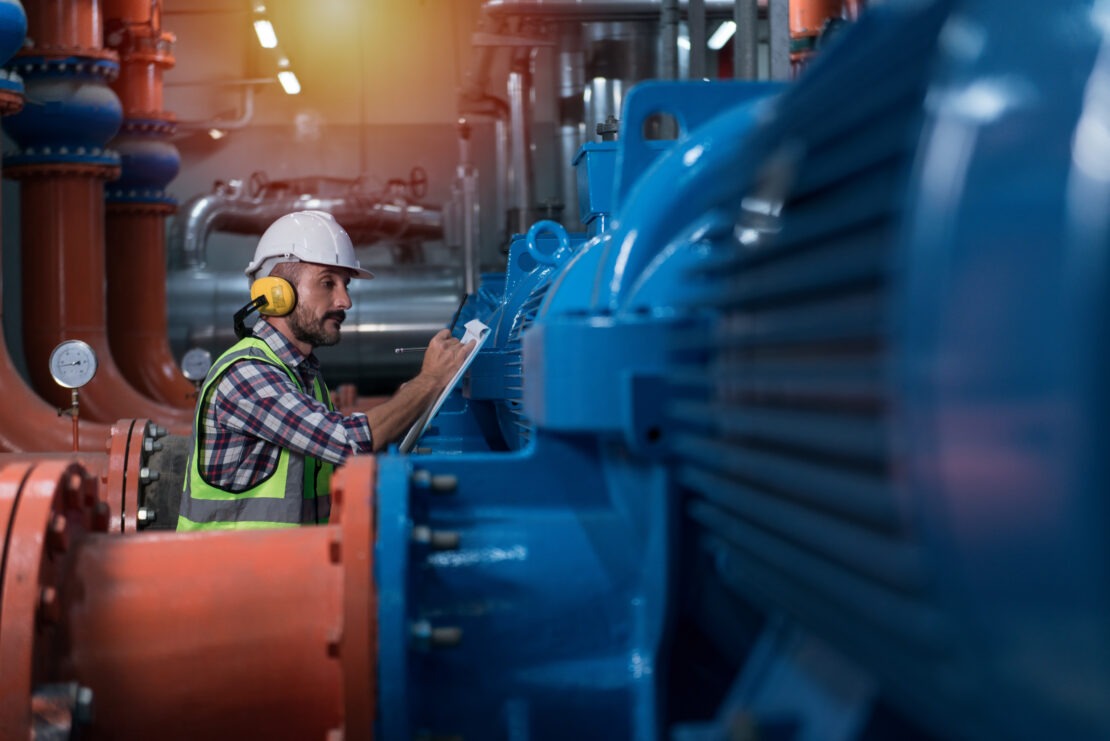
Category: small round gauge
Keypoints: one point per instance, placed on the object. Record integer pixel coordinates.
(72, 364)
(195, 364)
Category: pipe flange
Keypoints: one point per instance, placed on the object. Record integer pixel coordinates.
(141, 197)
(121, 206)
(353, 489)
(149, 123)
(19, 166)
(126, 461)
(44, 507)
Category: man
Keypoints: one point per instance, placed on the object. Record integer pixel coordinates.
(266, 435)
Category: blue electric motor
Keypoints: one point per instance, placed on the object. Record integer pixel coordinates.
(817, 443)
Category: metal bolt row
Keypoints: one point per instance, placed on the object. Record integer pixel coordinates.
(423, 634)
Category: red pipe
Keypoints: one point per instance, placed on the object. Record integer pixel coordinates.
(136, 268)
(31, 424)
(62, 208)
(69, 26)
(226, 635)
(137, 323)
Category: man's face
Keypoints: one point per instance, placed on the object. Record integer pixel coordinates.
(322, 301)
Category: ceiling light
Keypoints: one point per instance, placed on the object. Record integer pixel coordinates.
(265, 31)
(721, 36)
(289, 82)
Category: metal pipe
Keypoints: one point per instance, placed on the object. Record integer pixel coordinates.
(696, 21)
(668, 25)
(138, 205)
(228, 208)
(62, 166)
(745, 42)
(62, 227)
(598, 10)
(778, 24)
(520, 142)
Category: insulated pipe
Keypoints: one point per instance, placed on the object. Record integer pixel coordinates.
(597, 10)
(138, 204)
(225, 635)
(229, 209)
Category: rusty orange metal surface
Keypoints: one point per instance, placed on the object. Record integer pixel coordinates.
(137, 323)
(144, 50)
(807, 17)
(66, 27)
(46, 506)
(30, 424)
(62, 209)
(224, 635)
(352, 493)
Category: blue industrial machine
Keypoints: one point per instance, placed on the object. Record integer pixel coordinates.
(809, 433)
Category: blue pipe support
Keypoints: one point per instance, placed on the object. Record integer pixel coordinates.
(70, 115)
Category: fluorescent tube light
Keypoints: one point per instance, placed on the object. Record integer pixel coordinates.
(289, 82)
(721, 36)
(265, 31)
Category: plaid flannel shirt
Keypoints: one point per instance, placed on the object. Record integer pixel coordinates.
(256, 410)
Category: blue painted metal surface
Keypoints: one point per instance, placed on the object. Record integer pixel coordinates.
(818, 418)
(71, 112)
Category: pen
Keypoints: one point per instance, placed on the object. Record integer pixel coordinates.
(399, 350)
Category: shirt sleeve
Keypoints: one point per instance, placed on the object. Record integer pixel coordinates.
(258, 399)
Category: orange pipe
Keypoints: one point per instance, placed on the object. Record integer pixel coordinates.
(65, 25)
(226, 635)
(158, 613)
(807, 17)
(62, 209)
(137, 323)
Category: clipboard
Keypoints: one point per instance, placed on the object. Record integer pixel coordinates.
(479, 333)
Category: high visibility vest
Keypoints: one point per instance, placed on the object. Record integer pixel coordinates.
(296, 493)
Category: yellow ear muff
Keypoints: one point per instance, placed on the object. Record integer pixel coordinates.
(280, 298)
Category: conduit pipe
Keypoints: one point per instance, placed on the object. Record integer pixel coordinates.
(62, 165)
(138, 626)
(138, 205)
(230, 208)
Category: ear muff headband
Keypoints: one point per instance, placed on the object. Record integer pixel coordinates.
(270, 296)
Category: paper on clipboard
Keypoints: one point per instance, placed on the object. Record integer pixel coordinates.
(477, 332)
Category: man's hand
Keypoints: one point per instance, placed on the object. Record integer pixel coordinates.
(443, 358)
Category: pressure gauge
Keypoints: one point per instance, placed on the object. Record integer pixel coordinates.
(72, 364)
(195, 364)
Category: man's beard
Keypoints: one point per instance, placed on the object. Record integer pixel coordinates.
(315, 331)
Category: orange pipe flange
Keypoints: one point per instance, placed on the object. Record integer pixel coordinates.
(63, 290)
(44, 507)
(137, 323)
(224, 635)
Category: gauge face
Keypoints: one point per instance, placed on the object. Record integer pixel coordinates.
(195, 364)
(72, 364)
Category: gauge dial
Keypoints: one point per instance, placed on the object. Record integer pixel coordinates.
(72, 364)
(195, 364)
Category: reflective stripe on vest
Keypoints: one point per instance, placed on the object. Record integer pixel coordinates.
(295, 493)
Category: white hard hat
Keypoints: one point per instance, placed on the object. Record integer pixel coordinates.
(305, 236)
